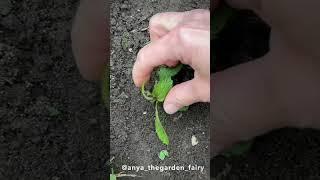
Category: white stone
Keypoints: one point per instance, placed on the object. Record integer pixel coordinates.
(194, 140)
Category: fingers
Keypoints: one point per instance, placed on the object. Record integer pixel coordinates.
(185, 94)
(89, 39)
(184, 44)
(162, 23)
(164, 51)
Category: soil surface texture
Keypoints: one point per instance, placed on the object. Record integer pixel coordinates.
(52, 122)
(133, 138)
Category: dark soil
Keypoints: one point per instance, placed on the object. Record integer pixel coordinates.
(281, 154)
(52, 122)
(133, 137)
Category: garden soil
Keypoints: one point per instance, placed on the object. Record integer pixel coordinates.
(52, 122)
(53, 125)
(133, 138)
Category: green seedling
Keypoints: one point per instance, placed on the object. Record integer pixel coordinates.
(112, 175)
(161, 132)
(159, 92)
(163, 154)
(239, 149)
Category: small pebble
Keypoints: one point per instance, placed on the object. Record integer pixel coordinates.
(145, 112)
(194, 140)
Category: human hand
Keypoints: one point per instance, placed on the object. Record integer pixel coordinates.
(90, 39)
(297, 22)
(256, 97)
(178, 37)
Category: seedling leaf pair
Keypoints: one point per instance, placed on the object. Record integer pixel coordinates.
(160, 90)
(161, 132)
(165, 83)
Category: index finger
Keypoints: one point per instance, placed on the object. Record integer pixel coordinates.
(163, 51)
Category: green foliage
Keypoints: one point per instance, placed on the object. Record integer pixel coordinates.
(165, 72)
(160, 90)
(146, 94)
(165, 83)
(112, 175)
(161, 132)
(239, 149)
(163, 154)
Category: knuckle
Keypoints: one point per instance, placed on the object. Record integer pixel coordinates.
(182, 33)
(200, 13)
(154, 20)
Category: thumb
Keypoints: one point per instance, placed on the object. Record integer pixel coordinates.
(185, 94)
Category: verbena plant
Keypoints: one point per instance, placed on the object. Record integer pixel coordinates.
(161, 88)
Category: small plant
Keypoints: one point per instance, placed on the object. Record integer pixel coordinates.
(163, 154)
(159, 92)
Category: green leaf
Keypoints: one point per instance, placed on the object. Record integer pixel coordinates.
(161, 132)
(164, 83)
(163, 154)
(167, 72)
(162, 88)
(239, 149)
(112, 175)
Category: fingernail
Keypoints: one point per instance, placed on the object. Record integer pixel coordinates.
(171, 108)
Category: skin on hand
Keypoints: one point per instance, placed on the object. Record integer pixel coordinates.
(178, 37)
(278, 90)
(90, 39)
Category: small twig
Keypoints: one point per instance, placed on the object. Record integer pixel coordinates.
(7, 80)
(126, 175)
(143, 29)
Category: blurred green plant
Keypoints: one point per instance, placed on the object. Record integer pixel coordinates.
(238, 149)
(161, 88)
